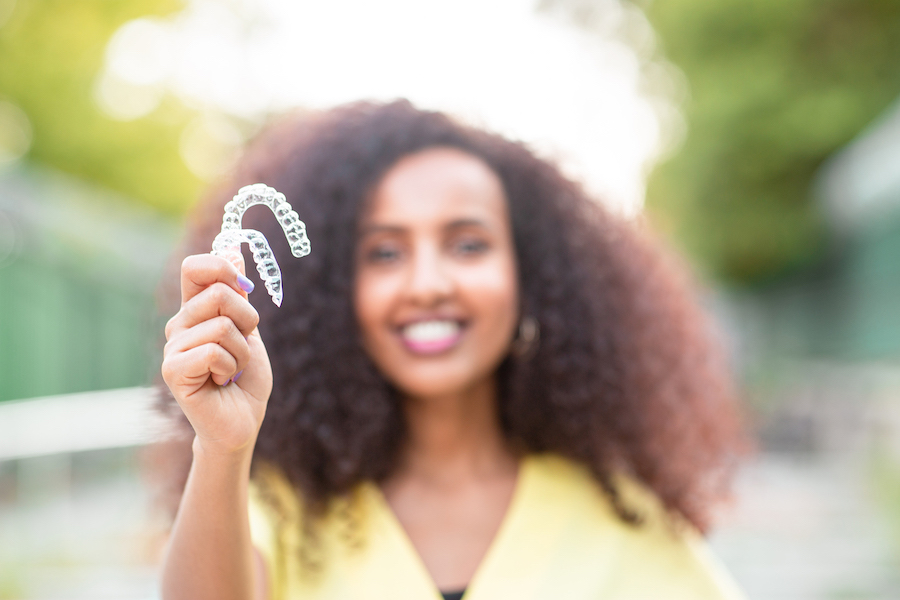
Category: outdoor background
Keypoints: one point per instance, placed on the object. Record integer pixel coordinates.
(762, 139)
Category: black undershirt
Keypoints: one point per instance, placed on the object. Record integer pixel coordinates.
(453, 595)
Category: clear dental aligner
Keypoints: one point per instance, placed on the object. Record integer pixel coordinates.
(230, 238)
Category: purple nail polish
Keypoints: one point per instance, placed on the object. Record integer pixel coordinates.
(237, 375)
(245, 283)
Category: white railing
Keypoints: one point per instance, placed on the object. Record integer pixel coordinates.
(78, 422)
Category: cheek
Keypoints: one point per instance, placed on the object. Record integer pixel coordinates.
(372, 299)
(494, 290)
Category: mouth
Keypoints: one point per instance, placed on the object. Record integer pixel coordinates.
(432, 336)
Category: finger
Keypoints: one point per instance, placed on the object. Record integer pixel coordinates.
(216, 300)
(191, 369)
(218, 330)
(200, 271)
(245, 284)
(257, 375)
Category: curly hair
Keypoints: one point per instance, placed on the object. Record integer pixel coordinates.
(627, 379)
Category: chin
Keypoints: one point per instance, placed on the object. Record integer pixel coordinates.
(425, 383)
(426, 389)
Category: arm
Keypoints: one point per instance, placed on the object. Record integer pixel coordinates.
(210, 554)
(211, 339)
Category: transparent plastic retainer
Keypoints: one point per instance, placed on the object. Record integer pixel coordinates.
(231, 237)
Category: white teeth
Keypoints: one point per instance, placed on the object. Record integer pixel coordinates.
(430, 331)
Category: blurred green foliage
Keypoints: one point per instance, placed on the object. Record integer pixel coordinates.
(50, 54)
(776, 86)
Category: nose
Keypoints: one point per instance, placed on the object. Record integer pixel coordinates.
(430, 281)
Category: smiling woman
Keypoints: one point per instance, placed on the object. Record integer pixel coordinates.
(480, 381)
(436, 292)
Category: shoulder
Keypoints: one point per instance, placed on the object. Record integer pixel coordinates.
(275, 507)
(297, 545)
(661, 555)
(275, 521)
(279, 517)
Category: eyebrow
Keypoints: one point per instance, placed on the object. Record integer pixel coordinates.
(397, 229)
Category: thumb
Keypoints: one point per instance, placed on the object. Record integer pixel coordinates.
(237, 259)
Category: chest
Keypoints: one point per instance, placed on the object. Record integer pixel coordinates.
(557, 538)
(452, 529)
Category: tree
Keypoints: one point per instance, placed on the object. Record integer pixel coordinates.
(776, 87)
(50, 54)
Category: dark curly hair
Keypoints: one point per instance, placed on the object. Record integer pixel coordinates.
(627, 377)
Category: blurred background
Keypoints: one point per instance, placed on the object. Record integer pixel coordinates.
(761, 138)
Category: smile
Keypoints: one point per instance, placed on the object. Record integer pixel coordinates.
(430, 337)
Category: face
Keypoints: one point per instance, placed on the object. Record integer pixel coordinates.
(436, 291)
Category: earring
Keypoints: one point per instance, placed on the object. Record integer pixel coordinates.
(526, 342)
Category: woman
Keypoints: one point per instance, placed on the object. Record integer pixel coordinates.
(481, 382)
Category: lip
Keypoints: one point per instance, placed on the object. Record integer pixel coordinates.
(431, 347)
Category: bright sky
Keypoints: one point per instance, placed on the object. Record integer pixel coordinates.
(574, 96)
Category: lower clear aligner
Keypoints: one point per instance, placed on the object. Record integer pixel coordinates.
(231, 237)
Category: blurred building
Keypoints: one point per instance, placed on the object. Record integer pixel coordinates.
(78, 270)
(860, 188)
(847, 308)
(822, 348)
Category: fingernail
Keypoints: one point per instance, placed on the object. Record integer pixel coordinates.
(245, 283)
(238, 375)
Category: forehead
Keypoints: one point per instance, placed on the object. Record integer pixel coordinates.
(437, 184)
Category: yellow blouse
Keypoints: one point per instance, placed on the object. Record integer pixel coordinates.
(560, 539)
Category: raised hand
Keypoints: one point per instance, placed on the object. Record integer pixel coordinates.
(215, 362)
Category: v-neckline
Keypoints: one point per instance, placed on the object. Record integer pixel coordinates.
(495, 548)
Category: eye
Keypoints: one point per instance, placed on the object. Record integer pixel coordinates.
(469, 246)
(382, 253)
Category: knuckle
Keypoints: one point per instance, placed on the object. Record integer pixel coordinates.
(167, 371)
(170, 326)
(254, 317)
(246, 356)
(220, 293)
(191, 262)
(207, 263)
(224, 326)
(212, 354)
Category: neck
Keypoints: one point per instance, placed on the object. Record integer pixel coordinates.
(456, 436)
